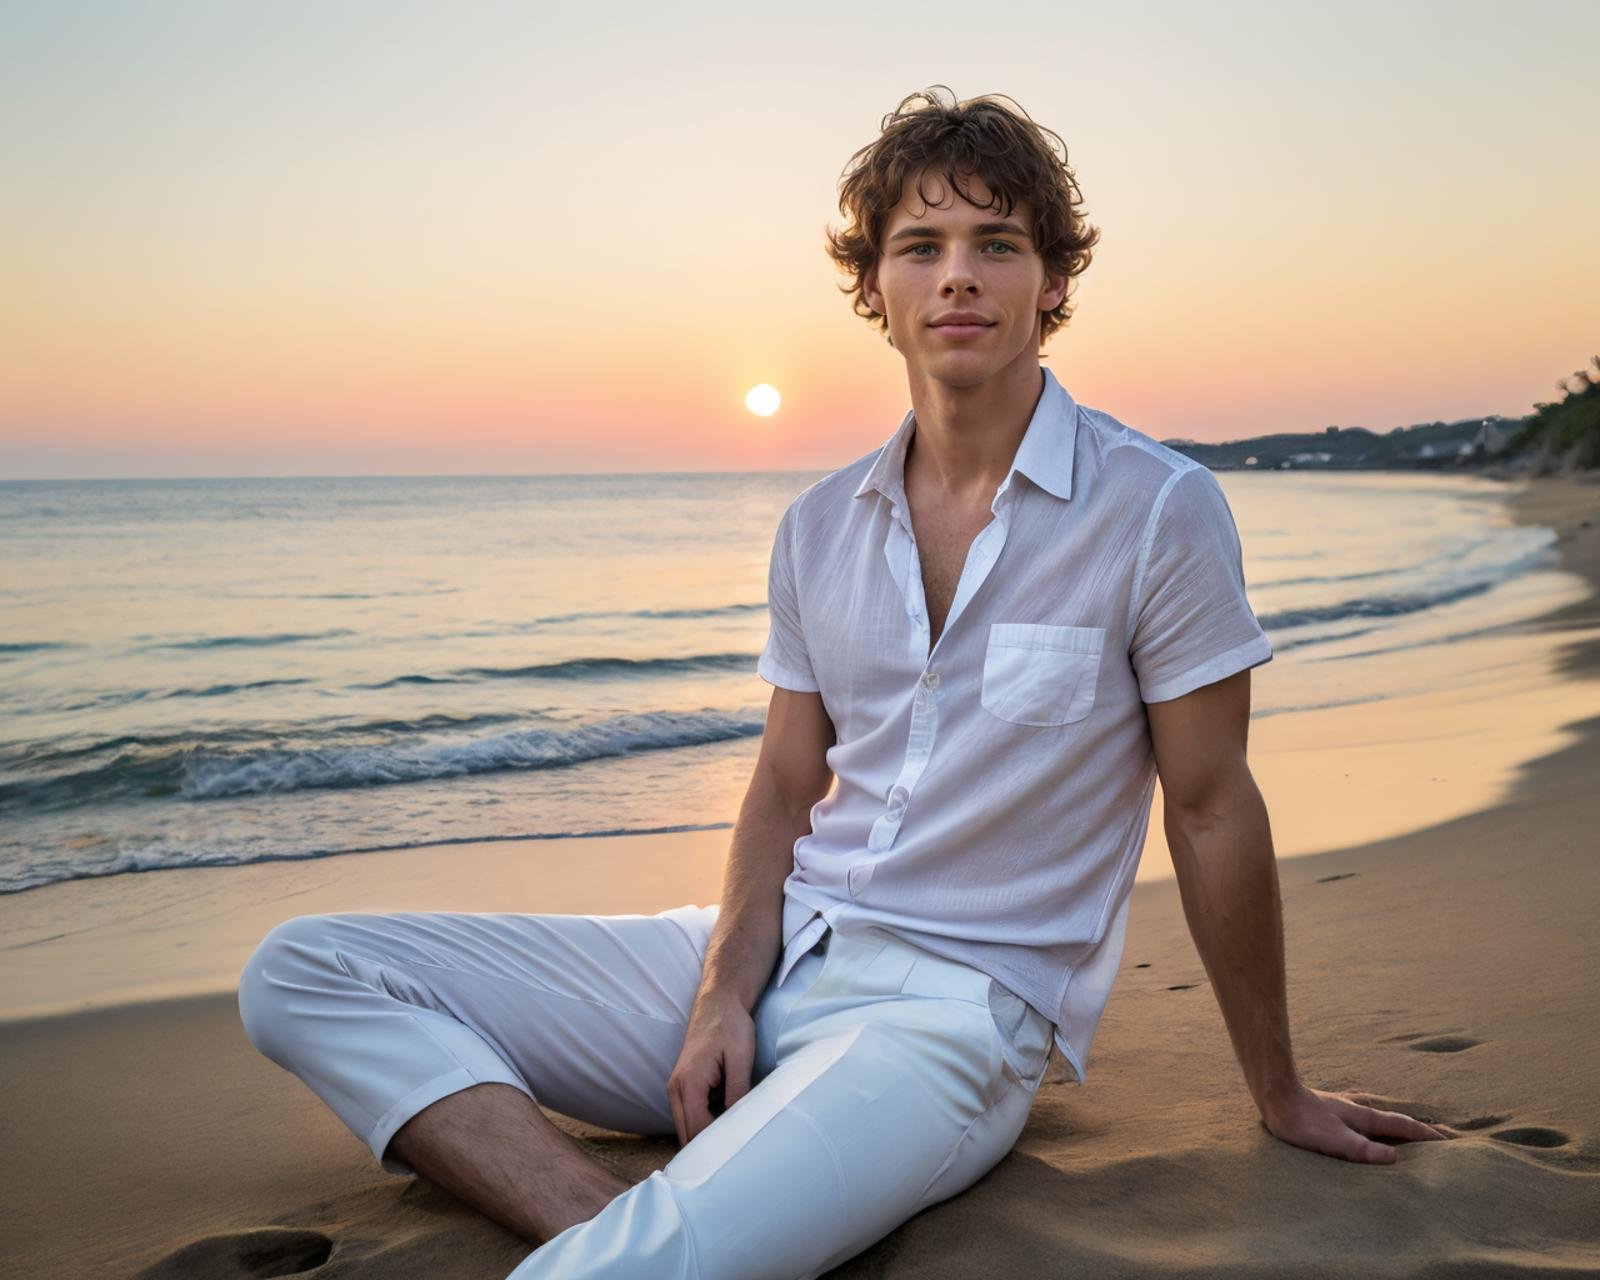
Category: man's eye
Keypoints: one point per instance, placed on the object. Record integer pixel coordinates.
(926, 245)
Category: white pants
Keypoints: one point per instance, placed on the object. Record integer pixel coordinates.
(885, 1079)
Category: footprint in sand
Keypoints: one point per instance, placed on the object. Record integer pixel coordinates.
(1532, 1135)
(1431, 1042)
(1444, 1044)
(266, 1251)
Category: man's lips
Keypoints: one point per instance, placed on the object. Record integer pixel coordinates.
(962, 330)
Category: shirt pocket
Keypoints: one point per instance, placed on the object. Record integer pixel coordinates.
(1038, 673)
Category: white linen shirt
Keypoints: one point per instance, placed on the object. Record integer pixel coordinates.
(992, 795)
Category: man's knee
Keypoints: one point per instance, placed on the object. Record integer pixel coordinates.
(279, 970)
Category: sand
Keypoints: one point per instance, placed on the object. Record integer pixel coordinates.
(1451, 972)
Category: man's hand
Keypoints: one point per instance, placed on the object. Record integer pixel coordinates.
(1338, 1124)
(713, 1068)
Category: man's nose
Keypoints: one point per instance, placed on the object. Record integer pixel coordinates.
(959, 273)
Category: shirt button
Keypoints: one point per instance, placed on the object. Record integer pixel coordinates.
(931, 680)
(898, 796)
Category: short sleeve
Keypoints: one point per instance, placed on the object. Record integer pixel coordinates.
(1192, 623)
(785, 662)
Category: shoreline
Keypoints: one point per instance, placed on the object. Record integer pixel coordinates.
(1448, 972)
(1333, 776)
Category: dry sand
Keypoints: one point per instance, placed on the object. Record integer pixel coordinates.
(1451, 972)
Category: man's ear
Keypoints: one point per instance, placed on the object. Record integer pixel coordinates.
(1055, 289)
(869, 290)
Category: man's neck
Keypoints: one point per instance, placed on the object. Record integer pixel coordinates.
(965, 438)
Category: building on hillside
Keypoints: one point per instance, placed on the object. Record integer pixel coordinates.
(1492, 438)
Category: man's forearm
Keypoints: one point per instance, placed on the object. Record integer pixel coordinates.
(1228, 881)
(744, 944)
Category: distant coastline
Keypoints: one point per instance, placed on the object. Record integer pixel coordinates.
(1560, 437)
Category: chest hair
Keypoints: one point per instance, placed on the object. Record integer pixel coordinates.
(943, 538)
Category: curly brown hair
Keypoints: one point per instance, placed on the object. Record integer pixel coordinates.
(981, 137)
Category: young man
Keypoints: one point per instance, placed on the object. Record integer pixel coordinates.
(988, 637)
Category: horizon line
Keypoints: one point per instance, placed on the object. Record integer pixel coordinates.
(409, 475)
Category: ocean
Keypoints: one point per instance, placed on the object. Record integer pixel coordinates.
(224, 671)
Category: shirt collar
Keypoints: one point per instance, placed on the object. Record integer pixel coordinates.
(1044, 455)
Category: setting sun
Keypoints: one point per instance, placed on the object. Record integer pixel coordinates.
(762, 399)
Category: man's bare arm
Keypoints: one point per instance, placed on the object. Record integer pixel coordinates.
(791, 775)
(1221, 844)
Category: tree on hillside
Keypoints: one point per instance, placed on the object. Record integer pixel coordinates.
(1568, 429)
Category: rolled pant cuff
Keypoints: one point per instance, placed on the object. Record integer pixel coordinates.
(425, 1096)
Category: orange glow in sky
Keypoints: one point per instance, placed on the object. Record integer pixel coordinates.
(266, 240)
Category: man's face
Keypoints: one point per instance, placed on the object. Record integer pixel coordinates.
(949, 256)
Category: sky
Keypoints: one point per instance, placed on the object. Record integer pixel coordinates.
(398, 238)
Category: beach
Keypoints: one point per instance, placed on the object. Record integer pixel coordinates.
(1445, 964)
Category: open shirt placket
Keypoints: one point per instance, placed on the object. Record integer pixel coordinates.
(905, 567)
